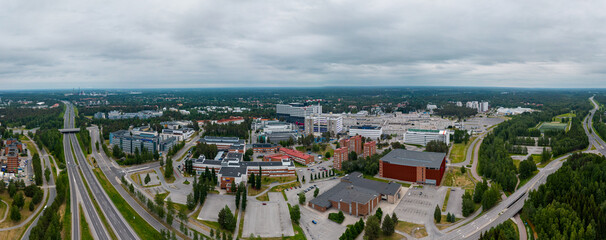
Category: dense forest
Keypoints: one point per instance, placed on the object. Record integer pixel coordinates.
(452, 110)
(572, 203)
(504, 231)
(495, 162)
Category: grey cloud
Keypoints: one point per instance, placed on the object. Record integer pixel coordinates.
(302, 43)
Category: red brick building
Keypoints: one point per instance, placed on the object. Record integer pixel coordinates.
(354, 144)
(278, 157)
(340, 155)
(297, 156)
(12, 162)
(413, 166)
(370, 148)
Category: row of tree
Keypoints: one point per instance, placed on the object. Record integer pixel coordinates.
(49, 224)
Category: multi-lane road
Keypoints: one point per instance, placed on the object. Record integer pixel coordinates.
(76, 164)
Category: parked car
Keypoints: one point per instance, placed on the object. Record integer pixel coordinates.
(314, 222)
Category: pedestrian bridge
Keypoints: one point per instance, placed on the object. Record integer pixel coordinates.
(69, 130)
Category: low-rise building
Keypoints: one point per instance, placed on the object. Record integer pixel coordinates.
(180, 134)
(223, 143)
(366, 131)
(129, 141)
(422, 137)
(278, 157)
(265, 147)
(413, 166)
(356, 195)
(297, 156)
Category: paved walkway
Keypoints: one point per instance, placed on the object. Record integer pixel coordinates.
(521, 228)
(5, 213)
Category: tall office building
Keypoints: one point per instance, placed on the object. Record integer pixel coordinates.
(321, 123)
(340, 155)
(296, 112)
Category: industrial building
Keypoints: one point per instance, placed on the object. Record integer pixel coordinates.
(140, 139)
(321, 123)
(366, 131)
(422, 136)
(296, 112)
(356, 195)
(265, 147)
(413, 166)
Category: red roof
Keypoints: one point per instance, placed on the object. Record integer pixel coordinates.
(232, 119)
(294, 153)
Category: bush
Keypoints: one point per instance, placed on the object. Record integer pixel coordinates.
(337, 217)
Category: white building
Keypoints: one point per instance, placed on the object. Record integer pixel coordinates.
(431, 107)
(296, 112)
(321, 123)
(483, 107)
(181, 134)
(367, 131)
(422, 137)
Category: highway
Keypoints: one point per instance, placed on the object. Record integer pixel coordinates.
(115, 219)
(509, 207)
(78, 190)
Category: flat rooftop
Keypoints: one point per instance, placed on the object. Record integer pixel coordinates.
(414, 158)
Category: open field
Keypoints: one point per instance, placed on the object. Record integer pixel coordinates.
(408, 227)
(547, 126)
(454, 178)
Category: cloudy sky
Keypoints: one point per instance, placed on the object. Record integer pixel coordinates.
(198, 43)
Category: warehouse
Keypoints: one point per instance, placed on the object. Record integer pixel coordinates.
(413, 166)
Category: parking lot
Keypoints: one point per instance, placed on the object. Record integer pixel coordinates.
(267, 219)
(214, 203)
(455, 202)
(419, 203)
(323, 228)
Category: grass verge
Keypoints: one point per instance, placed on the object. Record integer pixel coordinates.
(385, 180)
(84, 229)
(408, 227)
(446, 199)
(141, 227)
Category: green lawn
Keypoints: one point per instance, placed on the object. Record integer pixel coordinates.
(446, 199)
(516, 162)
(84, 229)
(545, 126)
(141, 227)
(457, 153)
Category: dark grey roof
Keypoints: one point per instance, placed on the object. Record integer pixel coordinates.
(213, 139)
(264, 145)
(384, 188)
(264, 164)
(236, 146)
(234, 155)
(232, 171)
(352, 193)
(414, 158)
(355, 188)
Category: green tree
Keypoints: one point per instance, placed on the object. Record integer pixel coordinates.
(191, 202)
(259, 178)
(168, 169)
(295, 214)
(527, 168)
(545, 155)
(491, 197)
(252, 180)
(147, 178)
(372, 229)
(437, 214)
(226, 219)
(394, 218)
(379, 214)
(436, 146)
(327, 155)
(301, 198)
(2, 184)
(15, 213)
(19, 200)
(388, 226)
(12, 189)
(316, 192)
(47, 173)
(244, 199)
